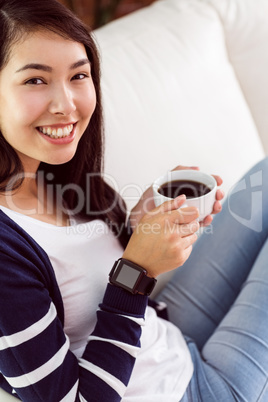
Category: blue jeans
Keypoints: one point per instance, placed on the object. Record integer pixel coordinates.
(219, 298)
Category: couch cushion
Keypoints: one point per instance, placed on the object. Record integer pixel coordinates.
(245, 25)
(5, 397)
(171, 97)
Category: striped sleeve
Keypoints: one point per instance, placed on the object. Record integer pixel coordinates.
(113, 346)
(35, 360)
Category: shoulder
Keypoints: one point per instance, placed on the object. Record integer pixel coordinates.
(11, 232)
(13, 236)
(19, 250)
(24, 264)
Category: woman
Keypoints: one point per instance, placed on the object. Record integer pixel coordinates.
(62, 228)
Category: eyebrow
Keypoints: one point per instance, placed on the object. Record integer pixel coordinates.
(44, 67)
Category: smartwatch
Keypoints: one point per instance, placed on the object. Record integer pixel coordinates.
(131, 277)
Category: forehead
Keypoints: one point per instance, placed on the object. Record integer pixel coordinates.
(44, 47)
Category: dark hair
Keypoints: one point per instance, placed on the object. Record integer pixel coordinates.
(18, 18)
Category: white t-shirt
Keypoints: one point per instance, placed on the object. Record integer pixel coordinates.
(82, 256)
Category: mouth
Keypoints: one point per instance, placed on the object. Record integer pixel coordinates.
(57, 133)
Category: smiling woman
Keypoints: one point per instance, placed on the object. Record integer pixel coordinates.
(50, 154)
(49, 134)
(54, 101)
(75, 282)
(62, 227)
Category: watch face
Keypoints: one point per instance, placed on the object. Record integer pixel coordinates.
(131, 277)
(126, 276)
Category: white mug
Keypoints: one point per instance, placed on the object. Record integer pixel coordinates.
(204, 203)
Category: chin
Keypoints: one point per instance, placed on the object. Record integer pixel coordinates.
(60, 160)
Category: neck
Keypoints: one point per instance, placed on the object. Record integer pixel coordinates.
(33, 199)
(23, 185)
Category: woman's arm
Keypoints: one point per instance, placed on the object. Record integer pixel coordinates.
(34, 351)
(35, 358)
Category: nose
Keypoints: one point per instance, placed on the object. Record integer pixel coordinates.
(62, 101)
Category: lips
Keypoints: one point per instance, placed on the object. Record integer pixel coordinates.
(55, 133)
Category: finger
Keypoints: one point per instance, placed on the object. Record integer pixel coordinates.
(183, 215)
(206, 221)
(186, 246)
(188, 229)
(188, 241)
(182, 230)
(181, 167)
(187, 252)
(219, 194)
(217, 207)
(218, 180)
(186, 215)
(172, 204)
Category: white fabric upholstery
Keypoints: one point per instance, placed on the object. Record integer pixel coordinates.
(5, 397)
(184, 83)
(246, 33)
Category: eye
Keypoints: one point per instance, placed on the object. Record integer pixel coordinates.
(80, 76)
(35, 81)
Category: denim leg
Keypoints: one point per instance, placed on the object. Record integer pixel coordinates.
(238, 348)
(219, 298)
(233, 364)
(202, 291)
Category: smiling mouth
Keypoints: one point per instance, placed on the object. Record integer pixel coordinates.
(56, 132)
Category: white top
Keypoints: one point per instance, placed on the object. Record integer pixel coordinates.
(82, 256)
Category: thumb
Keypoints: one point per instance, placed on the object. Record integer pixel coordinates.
(173, 204)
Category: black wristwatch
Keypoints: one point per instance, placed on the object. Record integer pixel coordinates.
(129, 276)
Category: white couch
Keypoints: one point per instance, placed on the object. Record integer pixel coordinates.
(184, 82)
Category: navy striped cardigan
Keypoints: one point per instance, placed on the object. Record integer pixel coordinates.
(35, 361)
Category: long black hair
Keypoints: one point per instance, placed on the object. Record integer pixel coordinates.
(85, 170)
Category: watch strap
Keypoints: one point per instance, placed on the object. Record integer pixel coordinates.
(146, 285)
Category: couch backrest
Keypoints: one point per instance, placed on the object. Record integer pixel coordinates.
(171, 95)
(245, 24)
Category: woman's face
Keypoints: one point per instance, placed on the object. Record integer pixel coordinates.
(47, 98)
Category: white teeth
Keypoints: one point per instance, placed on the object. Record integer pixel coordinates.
(66, 131)
(57, 133)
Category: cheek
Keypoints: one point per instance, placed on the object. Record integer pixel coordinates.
(20, 111)
(87, 101)
(29, 108)
(18, 116)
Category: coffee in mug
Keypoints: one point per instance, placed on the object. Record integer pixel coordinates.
(190, 188)
(199, 187)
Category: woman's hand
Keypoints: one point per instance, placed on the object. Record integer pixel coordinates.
(217, 204)
(146, 202)
(162, 241)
